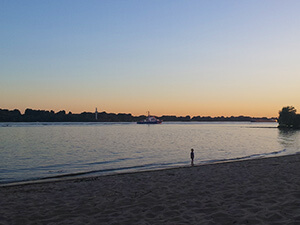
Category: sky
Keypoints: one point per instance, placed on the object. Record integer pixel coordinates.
(169, 57)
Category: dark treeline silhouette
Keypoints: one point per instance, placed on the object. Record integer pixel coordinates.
(288, 118)
(31, 115)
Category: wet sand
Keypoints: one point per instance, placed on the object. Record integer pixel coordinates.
(260, 191)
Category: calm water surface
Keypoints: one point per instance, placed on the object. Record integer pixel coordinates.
(30, 151)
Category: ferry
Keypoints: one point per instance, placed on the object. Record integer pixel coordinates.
(150, 120)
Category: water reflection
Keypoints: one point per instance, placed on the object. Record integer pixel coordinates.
(289, 139)
(31, 150)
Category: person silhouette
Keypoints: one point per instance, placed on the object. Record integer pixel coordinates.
(192, 157)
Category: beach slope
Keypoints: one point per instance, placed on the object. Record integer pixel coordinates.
(260, 191)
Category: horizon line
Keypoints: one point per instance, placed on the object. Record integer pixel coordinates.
(67, 112)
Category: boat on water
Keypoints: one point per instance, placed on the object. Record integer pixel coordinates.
(150, 120)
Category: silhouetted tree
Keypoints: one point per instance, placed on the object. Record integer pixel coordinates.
(10, 116)
(288, 118)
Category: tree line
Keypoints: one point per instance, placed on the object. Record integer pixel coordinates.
(288, 118)
(31, 115)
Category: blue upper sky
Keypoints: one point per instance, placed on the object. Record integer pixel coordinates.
(170, 57)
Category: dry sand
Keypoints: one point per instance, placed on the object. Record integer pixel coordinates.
(261, 191)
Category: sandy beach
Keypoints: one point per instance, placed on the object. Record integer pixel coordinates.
(260, 191)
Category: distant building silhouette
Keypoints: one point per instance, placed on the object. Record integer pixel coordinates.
(96, 114)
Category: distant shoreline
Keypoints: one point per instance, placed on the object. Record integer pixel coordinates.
(31, 115)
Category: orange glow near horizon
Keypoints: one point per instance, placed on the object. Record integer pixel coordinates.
(187, 110)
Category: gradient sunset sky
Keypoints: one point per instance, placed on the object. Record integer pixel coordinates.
(171, 57)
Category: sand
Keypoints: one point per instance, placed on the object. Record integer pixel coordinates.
(260, 191)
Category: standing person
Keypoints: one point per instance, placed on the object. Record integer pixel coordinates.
(192, 157)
